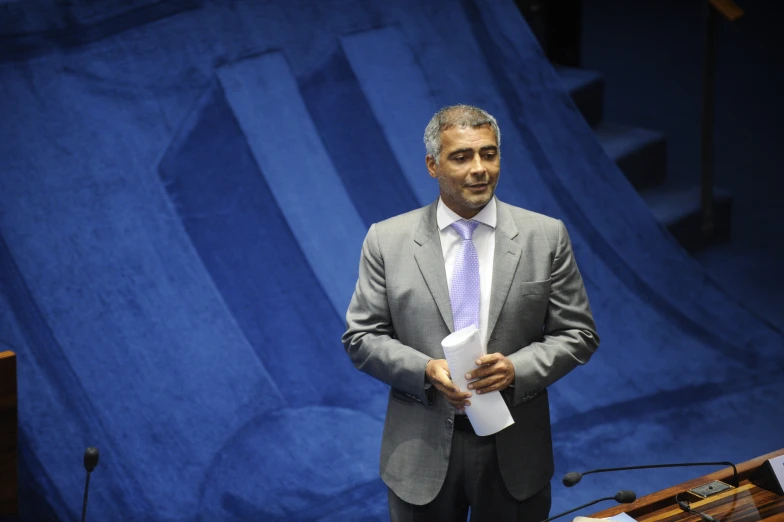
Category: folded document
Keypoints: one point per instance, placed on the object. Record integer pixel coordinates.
(488, 412)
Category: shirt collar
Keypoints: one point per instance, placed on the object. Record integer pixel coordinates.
(445, 216)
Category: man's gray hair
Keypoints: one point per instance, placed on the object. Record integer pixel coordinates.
(456, 116)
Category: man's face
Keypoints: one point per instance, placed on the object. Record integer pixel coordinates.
(468, 168)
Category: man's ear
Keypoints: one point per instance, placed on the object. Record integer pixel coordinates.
(431, 165)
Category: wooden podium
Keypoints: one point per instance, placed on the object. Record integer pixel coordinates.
(745, 503)
(8, 428)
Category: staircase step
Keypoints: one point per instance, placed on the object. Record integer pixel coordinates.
(678, 208)
(587, 91)
(641, 154)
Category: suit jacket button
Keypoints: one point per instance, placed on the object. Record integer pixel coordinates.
(449, 423)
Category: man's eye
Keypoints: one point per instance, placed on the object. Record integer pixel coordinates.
(490, 155)
(459, 158)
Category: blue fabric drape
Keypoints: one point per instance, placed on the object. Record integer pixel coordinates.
(182, 203)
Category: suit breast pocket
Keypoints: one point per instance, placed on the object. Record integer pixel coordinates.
(535, 287)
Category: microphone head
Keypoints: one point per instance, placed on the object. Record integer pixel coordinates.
(625, 496)
(571, 478)
(90, 458)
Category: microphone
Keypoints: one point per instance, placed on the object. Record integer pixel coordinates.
(573, 477)
(685, 507)
(625, 496)
(90, 461)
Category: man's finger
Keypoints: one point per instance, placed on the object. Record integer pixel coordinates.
(487, 381)
(450, 387)
(442, 379)
(488, 359)
(487, 364)
(446, 386)
(478, 373)
(453, 396)
(460, 404)
(487, 384)
(485, 371)
(457, 396)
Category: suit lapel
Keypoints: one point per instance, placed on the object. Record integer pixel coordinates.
(505, 260)
(430, 259)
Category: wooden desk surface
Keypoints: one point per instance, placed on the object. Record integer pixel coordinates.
(745, 503)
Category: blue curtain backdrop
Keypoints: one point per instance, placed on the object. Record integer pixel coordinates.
(184, 189)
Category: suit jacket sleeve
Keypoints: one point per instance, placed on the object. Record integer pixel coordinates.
(570, 336)
(370, 339)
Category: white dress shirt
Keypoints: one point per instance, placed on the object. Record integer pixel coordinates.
(484, 242)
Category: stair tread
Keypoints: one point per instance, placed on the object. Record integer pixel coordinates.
(621, 140)
(586, 88)
(575, 79)
(671, 203)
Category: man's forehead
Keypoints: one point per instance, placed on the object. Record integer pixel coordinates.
(466, 136)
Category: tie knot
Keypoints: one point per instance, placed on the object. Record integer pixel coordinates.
(465, 228)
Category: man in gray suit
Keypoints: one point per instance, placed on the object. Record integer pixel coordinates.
(466, 259)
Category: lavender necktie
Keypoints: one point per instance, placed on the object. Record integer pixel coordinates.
(464, 294)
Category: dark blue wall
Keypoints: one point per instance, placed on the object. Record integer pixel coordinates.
(651, 56)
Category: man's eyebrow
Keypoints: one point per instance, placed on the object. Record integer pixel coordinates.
(486, 148)
(461, 151)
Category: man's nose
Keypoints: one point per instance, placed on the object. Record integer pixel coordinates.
(477, 165)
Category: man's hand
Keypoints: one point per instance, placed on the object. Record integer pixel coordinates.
(437, 372)
(495, 372)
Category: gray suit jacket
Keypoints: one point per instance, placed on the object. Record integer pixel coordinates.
(539, 318)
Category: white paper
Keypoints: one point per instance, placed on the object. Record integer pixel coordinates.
(487, 412)
(623, 517)
(777, 463)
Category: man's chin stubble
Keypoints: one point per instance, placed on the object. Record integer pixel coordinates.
(468, 203)
(478, 203)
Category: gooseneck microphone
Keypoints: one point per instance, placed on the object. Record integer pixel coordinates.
(685, 507)
(625, 496)
(573, 477)
(90, 461)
